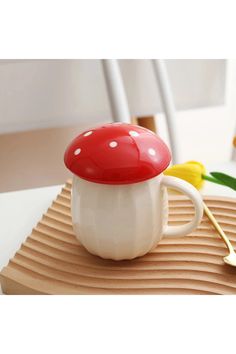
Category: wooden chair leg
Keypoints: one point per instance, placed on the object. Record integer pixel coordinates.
(146, 122)
(234, 141)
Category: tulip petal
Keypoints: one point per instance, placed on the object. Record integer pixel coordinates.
(190, 172)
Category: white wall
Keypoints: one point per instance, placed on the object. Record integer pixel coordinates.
(42, 93)
(205, 134)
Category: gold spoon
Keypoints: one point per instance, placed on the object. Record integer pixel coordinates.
(231, 258)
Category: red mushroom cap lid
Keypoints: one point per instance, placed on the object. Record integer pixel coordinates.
(117, 153)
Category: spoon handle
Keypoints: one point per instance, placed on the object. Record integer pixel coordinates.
(217, 227)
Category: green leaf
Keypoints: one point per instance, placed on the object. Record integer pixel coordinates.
(228, 181)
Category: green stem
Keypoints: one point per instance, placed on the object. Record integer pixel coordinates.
(212, 179)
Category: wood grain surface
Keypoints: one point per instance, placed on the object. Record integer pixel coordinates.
(51, 261)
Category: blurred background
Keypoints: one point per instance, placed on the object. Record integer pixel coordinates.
(45, 103)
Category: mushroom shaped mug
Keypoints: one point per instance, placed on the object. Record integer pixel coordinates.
(119, 194)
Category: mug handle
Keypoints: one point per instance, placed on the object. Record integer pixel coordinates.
(195, 197)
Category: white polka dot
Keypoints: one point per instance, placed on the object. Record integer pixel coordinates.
(77, 151)
(113, 144)
(88, 133)
(151, 152)
(133, 133)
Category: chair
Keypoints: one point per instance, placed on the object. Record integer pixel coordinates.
(120, 112)
(119, 104)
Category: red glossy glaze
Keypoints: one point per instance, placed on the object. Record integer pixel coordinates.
(117, 153)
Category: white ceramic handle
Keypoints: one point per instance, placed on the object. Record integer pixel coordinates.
(194, 195)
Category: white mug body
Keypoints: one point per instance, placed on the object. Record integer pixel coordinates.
(119, 221)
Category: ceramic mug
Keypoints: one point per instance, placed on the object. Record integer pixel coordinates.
(119, 198)
(127, 221)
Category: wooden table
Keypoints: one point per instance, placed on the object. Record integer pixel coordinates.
(17, 222)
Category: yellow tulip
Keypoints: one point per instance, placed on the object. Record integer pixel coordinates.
(191, 171)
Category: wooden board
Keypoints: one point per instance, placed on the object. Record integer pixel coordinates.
(51, 261)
